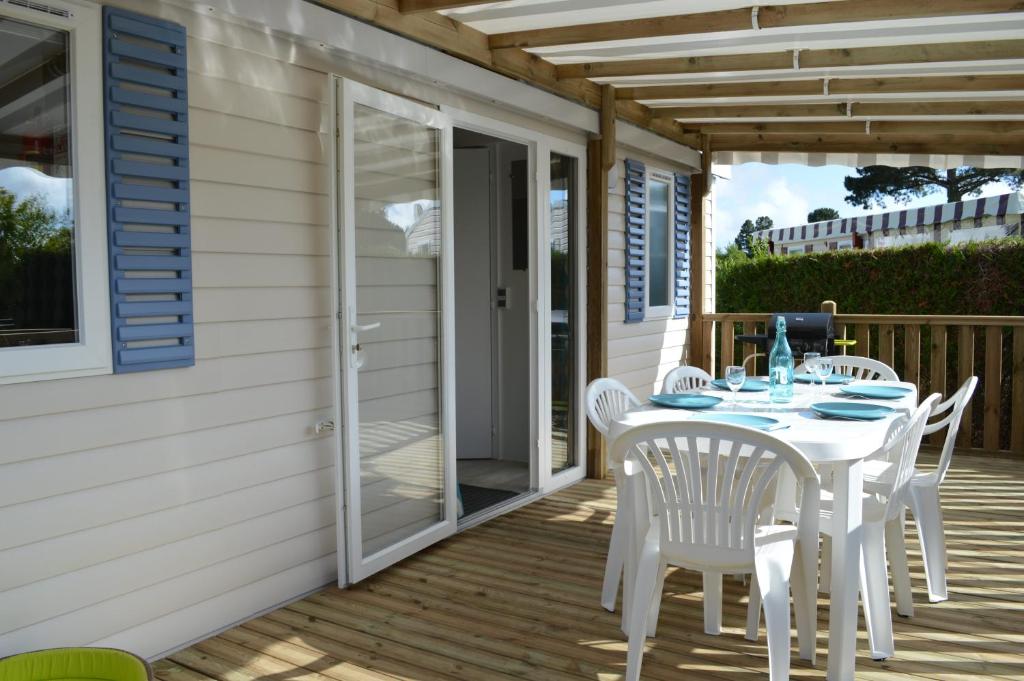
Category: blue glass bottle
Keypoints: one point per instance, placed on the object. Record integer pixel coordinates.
(780, 366)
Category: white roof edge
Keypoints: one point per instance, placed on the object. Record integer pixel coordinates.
(652, 144)
(368, 44)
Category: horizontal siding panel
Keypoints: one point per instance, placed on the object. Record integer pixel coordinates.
(86, 587)
(376, 271)
(74, 471)
(388, 381)
(213, 200)
(117, 614)
(226, 235)
(255, 170)
(230, 304)
(636, 345)
(41, 560)
(226, 131)
(219, 270)
(32, 438)
(645, 360)
(215, 375)
(246, 101)
(378, 299)
(660, 327)
(222, 610)
(82, 510)
(225, 339)
(254, 69)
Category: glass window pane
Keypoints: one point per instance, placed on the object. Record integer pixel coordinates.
(37, 290)
(562, 204)
(398, 245)
(658, 271)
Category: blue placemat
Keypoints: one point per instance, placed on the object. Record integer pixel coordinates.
(876, 392)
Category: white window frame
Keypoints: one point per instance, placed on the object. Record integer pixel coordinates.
(655, 312)
(92, 353)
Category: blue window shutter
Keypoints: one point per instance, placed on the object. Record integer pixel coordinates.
(682, 245)
(146, 126)
(636, 233)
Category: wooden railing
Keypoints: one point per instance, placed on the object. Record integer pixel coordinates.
(938, 353)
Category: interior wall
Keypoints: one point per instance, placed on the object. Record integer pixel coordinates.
(474, 288)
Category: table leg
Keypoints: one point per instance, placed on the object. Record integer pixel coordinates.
(848, 486)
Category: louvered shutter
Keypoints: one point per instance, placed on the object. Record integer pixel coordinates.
(636, 231)
(682, 245)
(145, 111)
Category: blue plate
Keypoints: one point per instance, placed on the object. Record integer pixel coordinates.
(751, 385)
(875, 392)
(834, 379)
(685, 401)
(851, 411)
(748, 420)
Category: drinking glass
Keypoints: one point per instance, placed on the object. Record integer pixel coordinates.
(811, 361)
(823, 369)
(734, 378)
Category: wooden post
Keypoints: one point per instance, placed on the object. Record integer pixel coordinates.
(600, 160)
(701, 349)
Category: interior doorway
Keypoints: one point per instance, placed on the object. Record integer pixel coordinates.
(493, 338)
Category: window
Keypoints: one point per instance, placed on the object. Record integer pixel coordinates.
(54, 315)
(660, 262)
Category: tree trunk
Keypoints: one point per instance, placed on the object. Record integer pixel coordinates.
(953, 191)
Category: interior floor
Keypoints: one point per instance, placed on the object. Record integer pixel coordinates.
(511, 476)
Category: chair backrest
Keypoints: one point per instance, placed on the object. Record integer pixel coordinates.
(684, 378)
(862, 368)
(606, 400)
(708, 483)
(901, 449)
(953, 408)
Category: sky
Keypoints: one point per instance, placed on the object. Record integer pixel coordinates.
(787, 193)
(23, 181)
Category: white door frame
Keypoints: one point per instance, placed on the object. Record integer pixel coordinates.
(352, 563)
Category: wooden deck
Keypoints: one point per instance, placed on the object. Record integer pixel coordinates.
(517, 598)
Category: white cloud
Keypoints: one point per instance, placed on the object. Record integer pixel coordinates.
(24, 182)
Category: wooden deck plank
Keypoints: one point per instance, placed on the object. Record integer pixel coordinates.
(517, 598)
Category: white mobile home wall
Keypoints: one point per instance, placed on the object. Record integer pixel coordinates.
(148, 510)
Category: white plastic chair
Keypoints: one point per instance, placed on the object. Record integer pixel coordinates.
(684, 378)
(707, 494)
(923, 499)
(861, 368)
(606, 399)
(881, 516)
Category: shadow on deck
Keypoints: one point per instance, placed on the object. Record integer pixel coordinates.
(518, 598)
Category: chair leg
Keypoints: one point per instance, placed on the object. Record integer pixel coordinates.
(825, 575)
(927, 512)
(803, 585)
(614, 564)
(713, 603)
(772, 564)
(874, 591)
(753, 610)
(643, 592)
(896, 550)
(655, 607)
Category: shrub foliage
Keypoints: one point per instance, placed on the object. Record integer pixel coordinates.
(970, 279)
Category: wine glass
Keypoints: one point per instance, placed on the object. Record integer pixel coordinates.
(823, 369)
(735, 376)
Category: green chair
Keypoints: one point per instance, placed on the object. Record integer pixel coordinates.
(75, 664)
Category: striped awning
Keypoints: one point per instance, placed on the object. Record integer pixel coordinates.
(910, 218)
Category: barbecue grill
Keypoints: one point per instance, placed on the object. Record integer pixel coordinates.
(805, 331)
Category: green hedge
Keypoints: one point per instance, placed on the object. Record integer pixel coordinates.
(972, 279)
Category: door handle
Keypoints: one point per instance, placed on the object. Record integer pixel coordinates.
(322, 427)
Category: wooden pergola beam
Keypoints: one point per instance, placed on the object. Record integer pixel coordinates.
(414, 6)
(459, 40)
(917, 144)
(770, 16)
(978, 127)
(822, 87)
(841, 111)
(808, 59)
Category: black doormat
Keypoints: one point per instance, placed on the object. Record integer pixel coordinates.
(478, 498)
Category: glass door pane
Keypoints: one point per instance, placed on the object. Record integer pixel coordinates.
(392, 274)
(562, 204)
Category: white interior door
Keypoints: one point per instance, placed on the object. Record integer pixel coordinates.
(396, 328)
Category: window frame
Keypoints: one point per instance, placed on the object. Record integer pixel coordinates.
(92, 354)
(658, 312)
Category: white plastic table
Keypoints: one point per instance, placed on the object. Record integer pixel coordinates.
(841, 444)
